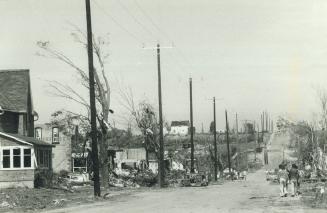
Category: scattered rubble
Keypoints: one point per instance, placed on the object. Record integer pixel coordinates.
(132, 178)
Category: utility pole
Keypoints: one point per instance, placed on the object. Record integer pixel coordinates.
(191, 130)
(95, 158)
(161, 143)
(263, 125)
(215, 138)
(227, 139)
(237, 131)
(267, 121)
(262, 122)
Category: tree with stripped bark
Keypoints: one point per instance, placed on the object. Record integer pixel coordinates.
(102, 89)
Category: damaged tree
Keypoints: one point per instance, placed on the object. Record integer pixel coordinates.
(102, 89)
(146, 121)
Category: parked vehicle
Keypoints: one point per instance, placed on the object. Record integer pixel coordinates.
(232, 175)
(77, 178)
(195, 179)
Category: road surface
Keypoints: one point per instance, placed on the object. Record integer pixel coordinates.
(253, 195)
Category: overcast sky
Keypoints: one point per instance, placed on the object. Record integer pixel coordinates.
(254, 55)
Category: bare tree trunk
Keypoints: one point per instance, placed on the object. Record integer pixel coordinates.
(146, 151)
(104, 161)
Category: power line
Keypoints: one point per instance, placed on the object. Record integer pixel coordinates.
(161, 31)
(135, 19)
(116, 22)
(145, 14)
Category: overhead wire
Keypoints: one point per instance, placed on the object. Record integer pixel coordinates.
(146, 15)
(136, 20)
(117, 22)
(179, 53)
(150, 19)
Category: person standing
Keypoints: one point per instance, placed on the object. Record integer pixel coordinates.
(294, 179)
(283, 179)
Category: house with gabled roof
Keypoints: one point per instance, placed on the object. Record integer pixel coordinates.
(179, 128)
(62, 152)
(16, 102)
(21, 155)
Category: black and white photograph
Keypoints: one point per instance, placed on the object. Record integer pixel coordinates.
(163, 106)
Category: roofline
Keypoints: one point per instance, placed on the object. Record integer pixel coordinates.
(14, 70)
(17, 139)
(12, 110)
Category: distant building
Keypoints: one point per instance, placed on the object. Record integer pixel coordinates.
(179, 128)
(62, 152)
(136, 159)
(130, 158)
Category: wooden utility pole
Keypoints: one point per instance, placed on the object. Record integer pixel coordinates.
(161, 143)
(95, 158)
(191, 129)
(262, 122)
(215, 138)
(227, 139)
(266, 121)
(262, 125)
(237, 139)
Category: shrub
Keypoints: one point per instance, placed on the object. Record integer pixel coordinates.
(44, 178)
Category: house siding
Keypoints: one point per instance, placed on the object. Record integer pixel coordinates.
(61, 153)
(15, 178)
(10, 178)
(8, 142)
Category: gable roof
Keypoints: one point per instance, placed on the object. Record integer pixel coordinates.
(180, 123)
(26, 140)
(14, 90)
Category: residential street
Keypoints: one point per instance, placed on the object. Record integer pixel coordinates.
(187, 106)
(253, 195)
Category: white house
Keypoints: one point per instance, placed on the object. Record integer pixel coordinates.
(179, 128)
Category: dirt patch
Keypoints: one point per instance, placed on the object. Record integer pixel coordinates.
(24, 199)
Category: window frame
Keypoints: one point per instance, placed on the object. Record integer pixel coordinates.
(46, 158)
(22, 157)
(41, 131)
(53, 137)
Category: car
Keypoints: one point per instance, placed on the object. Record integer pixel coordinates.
(233, 174)
(195, 179)
(77, 178)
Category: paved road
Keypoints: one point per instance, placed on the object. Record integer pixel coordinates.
(253, 195)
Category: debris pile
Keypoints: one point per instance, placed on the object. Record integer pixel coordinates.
(132, 178)
(174, 177)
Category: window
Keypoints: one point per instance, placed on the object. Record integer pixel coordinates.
(44, 158)
(6, 158)
(38, 133)
(55, 135)
(16, 158)
(27, 158)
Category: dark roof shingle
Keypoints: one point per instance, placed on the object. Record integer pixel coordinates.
(31, 140)
(180, 123)
(14, 87)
